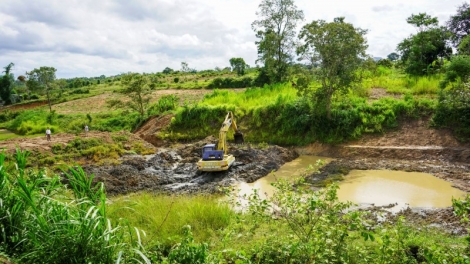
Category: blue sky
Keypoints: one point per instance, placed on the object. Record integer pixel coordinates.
(85, 38)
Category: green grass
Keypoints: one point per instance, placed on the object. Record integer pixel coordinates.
(5, 134)
(396, 82)
(252, 98)
(163, 216)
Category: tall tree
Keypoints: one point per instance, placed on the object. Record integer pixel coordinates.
(459, 24)
(276, 30)
(420, 52)
(338, 48)
(42, 80)
(136, 87)
(6, 84)
(238, 65)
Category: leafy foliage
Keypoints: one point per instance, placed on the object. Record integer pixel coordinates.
(459, 24)
(275, 30)
(165, 103)
(420, 52)
(136, 88)
(42, 80)
(231, 82)
(337, 48)
(453, 110)
(6, 84)
(39, 228)
(238, 65)
(457, 71)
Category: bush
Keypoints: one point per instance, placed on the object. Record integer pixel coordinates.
(230, 82)
(38, 229)
(453, 111)
(165, 103)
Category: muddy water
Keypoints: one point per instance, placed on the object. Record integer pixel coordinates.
(289, 170)
(366, 187)
(384, 187)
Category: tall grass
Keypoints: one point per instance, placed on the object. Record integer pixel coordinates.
(41, 225)
(251, 98)
(398, 83)
(165, 216)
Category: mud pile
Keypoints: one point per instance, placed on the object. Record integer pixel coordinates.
(174, 170)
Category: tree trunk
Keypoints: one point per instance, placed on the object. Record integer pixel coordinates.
(49, 100)
(328, 105)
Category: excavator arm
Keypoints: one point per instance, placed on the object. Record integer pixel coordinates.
(228, 123)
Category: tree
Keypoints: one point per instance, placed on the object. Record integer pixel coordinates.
(42, 80)
(6, 84)
(338, 48)
(276, 32)
(459, 24)
(420, 52)
(137, 89)
(393, 56)
(238, 65)
(167, 70)
(184, 67)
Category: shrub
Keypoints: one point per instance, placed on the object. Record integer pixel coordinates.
(165, 103)
(39, 229)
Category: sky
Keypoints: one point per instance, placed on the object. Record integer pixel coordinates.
(89, 38)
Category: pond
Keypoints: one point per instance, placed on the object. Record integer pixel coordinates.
(368, 187)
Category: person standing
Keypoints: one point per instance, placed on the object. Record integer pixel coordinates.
(86, 130)
(48, 134)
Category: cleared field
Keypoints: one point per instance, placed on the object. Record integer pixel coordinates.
(97, 104)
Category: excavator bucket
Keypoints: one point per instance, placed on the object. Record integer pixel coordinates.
(238, 136)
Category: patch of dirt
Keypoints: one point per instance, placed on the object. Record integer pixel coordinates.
(149, 131)
(40, 144)
(377, 93)
(24, 106)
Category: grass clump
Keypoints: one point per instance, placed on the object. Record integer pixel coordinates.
(41, 225)
(170, 214)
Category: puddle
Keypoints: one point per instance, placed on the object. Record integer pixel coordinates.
(290, 170)
(367, 187)
(406, 189)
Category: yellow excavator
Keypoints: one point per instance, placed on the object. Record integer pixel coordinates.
(215, 158)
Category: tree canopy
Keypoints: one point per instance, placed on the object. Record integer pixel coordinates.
(6, 84)
(459, 24)
(338, 48)
(276, 31)
(420, 52)
(238, 65)
(42, 80)
(136, 88)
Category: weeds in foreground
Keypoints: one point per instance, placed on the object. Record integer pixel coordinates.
(41, 225)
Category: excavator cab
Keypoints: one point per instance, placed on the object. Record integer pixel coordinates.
(210, 153)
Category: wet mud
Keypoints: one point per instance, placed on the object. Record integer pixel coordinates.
(174, 170)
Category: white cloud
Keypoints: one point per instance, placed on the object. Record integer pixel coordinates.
(90, 38)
